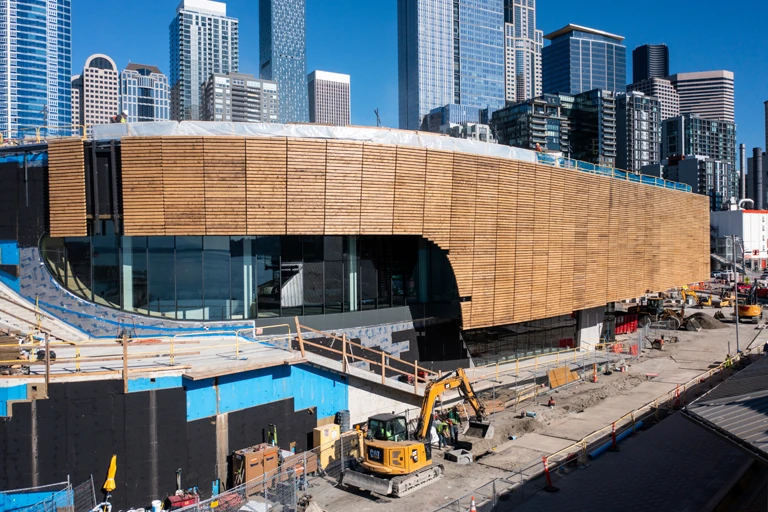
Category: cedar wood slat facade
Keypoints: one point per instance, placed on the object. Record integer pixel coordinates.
(525, 241)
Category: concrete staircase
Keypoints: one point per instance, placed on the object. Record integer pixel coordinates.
(17, 314)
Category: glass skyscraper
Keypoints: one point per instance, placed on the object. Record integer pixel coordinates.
(449, 52)
(35, 66)
(283, 55)
(144, 93)
(580, 59)
(203, 40)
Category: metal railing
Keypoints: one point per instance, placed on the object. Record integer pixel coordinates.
(605, 170)
(43, 133)
(511, 489)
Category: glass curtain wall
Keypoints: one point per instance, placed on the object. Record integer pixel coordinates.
(246, 277)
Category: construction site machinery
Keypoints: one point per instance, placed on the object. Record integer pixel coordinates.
(748, 308)
(397, 464)
(649, 312)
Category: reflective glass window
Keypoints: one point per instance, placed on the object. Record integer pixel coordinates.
(189, 277)
(161, 276)
(268, 276)
(216, 276)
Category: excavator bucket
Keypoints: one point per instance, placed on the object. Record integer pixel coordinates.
(481, 429)
(366, 482)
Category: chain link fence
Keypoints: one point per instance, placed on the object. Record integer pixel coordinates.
(58, 497)
(313, 472)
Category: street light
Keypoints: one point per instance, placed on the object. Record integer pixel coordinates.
(735, 291)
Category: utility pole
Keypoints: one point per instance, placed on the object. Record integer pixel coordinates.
(735, 292)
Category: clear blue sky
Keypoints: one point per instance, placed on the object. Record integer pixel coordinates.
(359, 37)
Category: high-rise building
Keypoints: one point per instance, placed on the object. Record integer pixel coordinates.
(99, 91)
(752, 181)
(650, 61)
(638, 131)
(661, 89)
(283, 55)
(35, 66)
(240, 98)
(449, 52)
(145, 93)
(581, 59)
(77, 88)
(691, 134)
(522, 47)
(329, 101)
(542, 121)
(593, 126)
(766, 124)
(706, 176)
(708, 94)
(203, 40)
(580, 126)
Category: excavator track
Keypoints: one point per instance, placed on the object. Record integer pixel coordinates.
(406, 484)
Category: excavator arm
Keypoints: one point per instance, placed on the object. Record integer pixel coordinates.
(438, 387)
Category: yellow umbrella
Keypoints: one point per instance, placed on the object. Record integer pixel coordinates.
(109, 485)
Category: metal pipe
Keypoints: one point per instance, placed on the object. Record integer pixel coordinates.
(746, 200)
(757, 168)
(742, 169)
(735, 293)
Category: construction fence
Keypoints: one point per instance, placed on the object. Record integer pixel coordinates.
(310, 473)
(59, 497)
(503, 494)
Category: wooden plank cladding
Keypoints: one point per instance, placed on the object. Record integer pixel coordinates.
(525, 241)
(66, 188)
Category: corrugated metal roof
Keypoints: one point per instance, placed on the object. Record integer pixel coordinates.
(739, 406)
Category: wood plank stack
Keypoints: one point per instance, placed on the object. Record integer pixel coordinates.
(66, 188)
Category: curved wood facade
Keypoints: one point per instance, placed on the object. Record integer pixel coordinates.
(526, 241)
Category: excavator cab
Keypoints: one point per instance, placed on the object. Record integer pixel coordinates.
(387, 427)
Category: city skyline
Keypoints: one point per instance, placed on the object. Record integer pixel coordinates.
(344, 36)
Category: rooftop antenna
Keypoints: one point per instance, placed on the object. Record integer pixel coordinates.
(378, 119)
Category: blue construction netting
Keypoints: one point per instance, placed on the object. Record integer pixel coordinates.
(603, 170)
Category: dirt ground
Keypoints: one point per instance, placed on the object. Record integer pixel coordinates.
(580, 409)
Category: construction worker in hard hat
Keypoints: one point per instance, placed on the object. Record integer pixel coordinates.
(124, 116)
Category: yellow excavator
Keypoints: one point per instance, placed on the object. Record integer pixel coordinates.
(397, 464)
(685, 292)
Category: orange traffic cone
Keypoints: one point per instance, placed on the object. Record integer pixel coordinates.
(594, 373)
(472, 507)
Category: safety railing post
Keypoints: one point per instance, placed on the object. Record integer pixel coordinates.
(47, 364)
(416, 376)
(125, 363)
(383, 364)
(301, 338)
(614, 446)
(344, 352)
(557, 357)
(237, 346)
(77, 358)
(536, 363)
(517, 366)
(172, 358)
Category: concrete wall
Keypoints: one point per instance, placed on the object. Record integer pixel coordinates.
(590, 325)
(367, 399)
